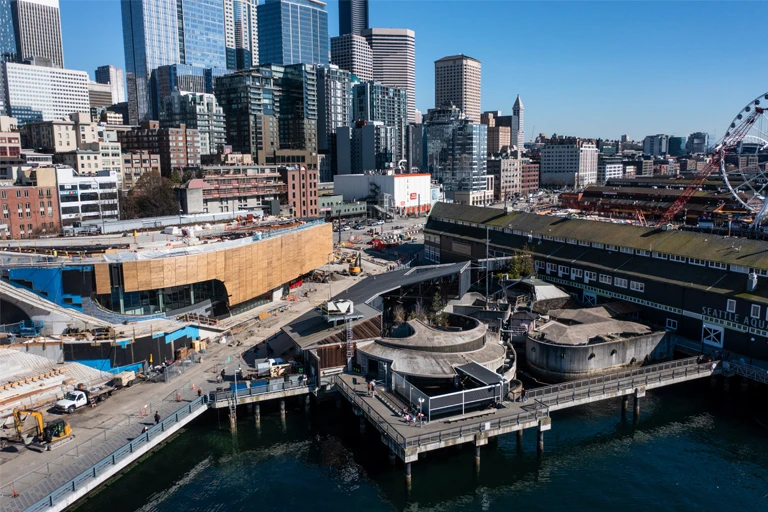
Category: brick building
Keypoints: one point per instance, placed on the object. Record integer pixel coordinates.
(530, 178)
(302, 190)
(178, 148)
(29, 211)
(135, 165)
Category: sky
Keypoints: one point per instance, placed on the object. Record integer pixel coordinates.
(588, 69)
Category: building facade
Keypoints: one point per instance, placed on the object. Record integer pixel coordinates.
(82, 198)
(293, 32)
(165, 80)
(507, 171)
(353, 16)
(608, 168)
(115, 78)
(367, 146)
(178, 147)
(232, 188)
(201, 33)
(301, 189)
(241, 26)
(569, 162)
(99, 96)
(37, 25)
(458, 80)
(530, 178)
(334, 110)
(698, 143)
(61, 135)
(197, 111)
(29, 211)
(136, 164)
(656, 145)
(352, 53)
(41, 93)
(150, 40)
(394, 61)
(372, 101)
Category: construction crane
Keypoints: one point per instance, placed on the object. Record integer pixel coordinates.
(729, 144)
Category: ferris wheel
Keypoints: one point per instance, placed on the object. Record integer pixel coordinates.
(747, 139)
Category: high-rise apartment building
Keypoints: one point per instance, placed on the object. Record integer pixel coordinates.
(178, 147)
(394, 60)
(569, 162)
(518, 124)
(116, 80)
(37, 27)
(41, 93)
(353, 16)
(295, 97)
(457, 80)
(367, 146)
(334, 109)
(498, 136)
(676, 146)
(151, 40)
(201, 33)
(372, 101)
(180, 77)
(241, 27)
(198, 111)
(293, 32)
(352, 53)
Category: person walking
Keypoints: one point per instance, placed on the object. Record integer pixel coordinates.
(369, 388)
(373, 387)
(157, 417)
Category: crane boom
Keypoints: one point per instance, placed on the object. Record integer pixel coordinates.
(729, 144)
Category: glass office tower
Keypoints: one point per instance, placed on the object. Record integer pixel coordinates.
(293, 32)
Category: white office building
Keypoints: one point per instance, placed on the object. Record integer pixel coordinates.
(39, 93)
(656, 145)
(115, 78)
(569, 163)
(83, 198)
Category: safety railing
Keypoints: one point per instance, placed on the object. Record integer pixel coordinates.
(383, 425)
(255, 390)
(117, 456)
(623, 380)
(749, 371)
(480, 426)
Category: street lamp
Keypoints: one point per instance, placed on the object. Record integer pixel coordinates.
(239, 369)
(180, 212)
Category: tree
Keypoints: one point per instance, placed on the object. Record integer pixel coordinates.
(398, 314)
(438, 315)
(520, 265)
(152, 196)
(418, 312)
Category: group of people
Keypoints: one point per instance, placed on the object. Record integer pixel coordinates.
(371, 387)
(413, 415)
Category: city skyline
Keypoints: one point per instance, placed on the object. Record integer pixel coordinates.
(638, 80)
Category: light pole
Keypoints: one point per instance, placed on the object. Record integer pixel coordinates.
(239, 369)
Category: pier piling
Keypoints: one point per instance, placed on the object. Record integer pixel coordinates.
(408, 475)
(257, 414)
(362, 424)
(232, 423)
(477, 458)
(636, 414)
(392, 457)
(306, 404)
(624, 406)
(520, 440)
(282, 408)
(726, 383)
(544, 425)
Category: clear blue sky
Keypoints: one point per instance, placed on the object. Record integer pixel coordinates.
(593, 69)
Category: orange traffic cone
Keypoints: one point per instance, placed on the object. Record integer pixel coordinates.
(193, 387)
(15, 494)
(178, 396)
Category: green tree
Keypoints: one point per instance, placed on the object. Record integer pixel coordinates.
(152, 196)
(439, 317)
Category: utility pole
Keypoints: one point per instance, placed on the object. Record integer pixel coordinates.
(487, 300)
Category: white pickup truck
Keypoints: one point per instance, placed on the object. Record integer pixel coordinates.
(72, 400)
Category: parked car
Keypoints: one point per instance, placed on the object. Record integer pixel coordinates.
(360, 226)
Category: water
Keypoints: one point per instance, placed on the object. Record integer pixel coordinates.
(693, 448)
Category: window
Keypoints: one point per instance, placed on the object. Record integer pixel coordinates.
(635, 286)
(551, 267)
(698, 262)
(740, 269)
(626, 250)
(538, 265)
(605, 279)
(679, 259)
(584, 243)
(576, 273)
(641, 252)
(671, 324)
(620, 282)
(659, 256)
(715, 264)
(589, 276)
(754, 311)
(730, 306)
(598, 245)
(611, 247)
(562, 270)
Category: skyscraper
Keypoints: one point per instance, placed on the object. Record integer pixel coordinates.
(334, 98)
(242, 33)
(352, 53)
(115, 78)
(37, 27)
(293, 32)
(518, 124)
(394, 60)
(201, 33)
(457, 80)
(162, 32)
(7, 45)
(353, 16)
(150, 39)
(198, 111)
(372, 101)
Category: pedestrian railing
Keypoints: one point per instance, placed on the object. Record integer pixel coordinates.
(576, 390)
(749, 371)
(383, 425)
(271, 387)
(117, 456)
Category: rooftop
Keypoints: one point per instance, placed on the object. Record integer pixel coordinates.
(588, 326)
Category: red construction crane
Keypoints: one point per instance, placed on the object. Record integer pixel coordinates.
(729, 144)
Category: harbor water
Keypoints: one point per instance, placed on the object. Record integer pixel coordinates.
(692, 448)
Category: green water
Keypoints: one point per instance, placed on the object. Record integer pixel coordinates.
(693, 448)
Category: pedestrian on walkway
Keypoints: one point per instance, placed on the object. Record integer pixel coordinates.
(373, 387)
(370, 387)
(157, 417)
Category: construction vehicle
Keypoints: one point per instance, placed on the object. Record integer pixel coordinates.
(355, 266)
(46, 438)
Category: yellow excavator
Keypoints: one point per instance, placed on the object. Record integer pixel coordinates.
(355, 265)
(47, 437)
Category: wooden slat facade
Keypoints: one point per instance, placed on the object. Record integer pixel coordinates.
(247, 272)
